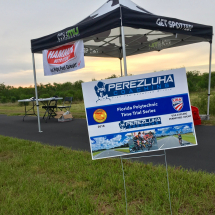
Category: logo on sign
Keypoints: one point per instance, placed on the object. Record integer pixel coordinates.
(104, 91)
(139, 123)
(101, 91)
(100, 115)
(66, 35)
(159, 44)
(61, 55)
(173, 24)
(177, 103)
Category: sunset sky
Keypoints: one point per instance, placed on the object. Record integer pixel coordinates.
(24, 20)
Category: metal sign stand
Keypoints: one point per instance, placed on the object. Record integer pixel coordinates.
(125, 73)
(166, 175)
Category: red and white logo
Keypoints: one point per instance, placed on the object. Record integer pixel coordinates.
(61, 55)
(177, 103)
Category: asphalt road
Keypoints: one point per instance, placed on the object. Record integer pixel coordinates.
(74, 135)
(170, 142)
(71, 134)
(108, 153)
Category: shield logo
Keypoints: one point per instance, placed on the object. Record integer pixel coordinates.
(177, 103)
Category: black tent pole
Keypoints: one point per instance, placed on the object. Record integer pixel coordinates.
(123, 44)
(209, 81)
(120, 51)
(121, 65)
(35, 85)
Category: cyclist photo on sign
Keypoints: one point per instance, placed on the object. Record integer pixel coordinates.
(149, 140)
(139, 139)
(180, 139)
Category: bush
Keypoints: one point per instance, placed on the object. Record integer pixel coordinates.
(45, 96)
(13, 99)
(22, 97)
(201, 103)
(212, 104)
(3, 99)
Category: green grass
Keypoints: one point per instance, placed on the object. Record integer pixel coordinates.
(211, 121)
(96, 153)
(40, 179)
(123, 150)
(11, 109)
(188, 137)
(78, 110)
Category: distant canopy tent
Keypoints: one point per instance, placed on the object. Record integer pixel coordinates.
(120, 28)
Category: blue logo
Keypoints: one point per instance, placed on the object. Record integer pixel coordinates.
(105, 91)
(101, 91)
(122, 125)
(178, 103)
(139, 123)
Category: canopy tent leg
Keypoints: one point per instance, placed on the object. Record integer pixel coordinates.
(120, 50)
(209, 82)
(123, 45)
(35, 84)
(124, 51)
(121, 65)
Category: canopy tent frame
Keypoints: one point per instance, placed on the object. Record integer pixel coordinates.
(123, 44)
(123, 15)
(209, 81)
(36, 93)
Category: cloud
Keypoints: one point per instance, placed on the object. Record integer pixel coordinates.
(162, 129)
(177, 127)
(105, 143)
(23, 24)
(187, 129)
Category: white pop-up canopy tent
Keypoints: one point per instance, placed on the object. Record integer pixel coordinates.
(120, 28)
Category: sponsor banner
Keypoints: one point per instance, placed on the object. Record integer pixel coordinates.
(63, 59)
(174, 24)
(139, 109)
(134, 86)
(132, 110)
(143, 123)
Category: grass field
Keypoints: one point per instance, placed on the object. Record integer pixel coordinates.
(123, 150)
(209, 122)
(40, 179)
(11, 109)
(78, 110)
(188, 137)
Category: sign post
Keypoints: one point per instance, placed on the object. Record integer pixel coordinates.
(136, 114)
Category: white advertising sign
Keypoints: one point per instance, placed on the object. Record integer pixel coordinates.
(139, 113)
(63, 59)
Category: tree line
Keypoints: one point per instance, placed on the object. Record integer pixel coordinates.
(196, 82)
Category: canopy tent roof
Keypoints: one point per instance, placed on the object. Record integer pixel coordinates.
(144, 32)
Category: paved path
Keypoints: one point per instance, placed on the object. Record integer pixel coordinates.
(170, 142)
(74, 134)
(71, 134)
(109, 153)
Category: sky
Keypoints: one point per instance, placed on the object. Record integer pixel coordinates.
(172, 130)
(24, 20)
